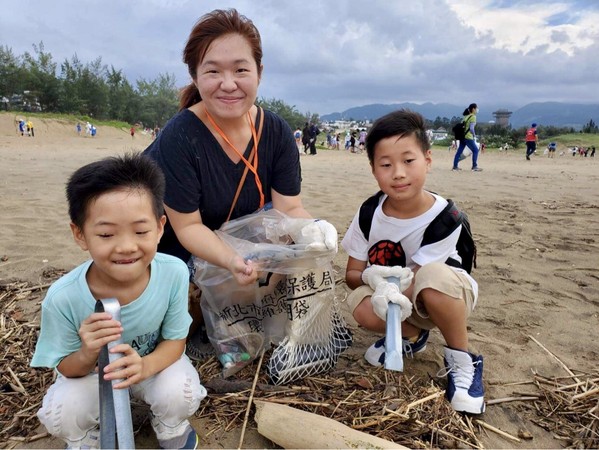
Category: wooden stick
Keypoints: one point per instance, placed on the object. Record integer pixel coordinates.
(14, 376)
(511, 399)
(395, 413)
(249, 405)
(33, 288)
(222, 386)
(342, 401)
(513, 383)
(442, 431)
(424, 400)
(293, 428)
(497, 430)
(37, 437)
(585, 394)
(556, 358)
(295, 401)
(570, 386)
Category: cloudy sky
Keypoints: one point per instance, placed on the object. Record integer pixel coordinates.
(328, 56)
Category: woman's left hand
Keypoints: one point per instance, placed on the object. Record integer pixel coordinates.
(244, 271)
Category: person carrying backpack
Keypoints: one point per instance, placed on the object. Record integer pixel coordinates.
(469, 138)
(407, 240)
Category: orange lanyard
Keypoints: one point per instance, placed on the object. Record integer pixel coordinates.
(253, 168)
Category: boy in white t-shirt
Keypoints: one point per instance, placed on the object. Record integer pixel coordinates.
(442, 296)
(117, 215)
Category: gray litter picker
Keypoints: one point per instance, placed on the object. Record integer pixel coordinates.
(115, 409)
(393, 341)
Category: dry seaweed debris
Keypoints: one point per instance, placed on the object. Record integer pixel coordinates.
(21, 387)
(568, 407)
(410, 411)
(406, 410)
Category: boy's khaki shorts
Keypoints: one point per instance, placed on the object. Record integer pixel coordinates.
(437, 276)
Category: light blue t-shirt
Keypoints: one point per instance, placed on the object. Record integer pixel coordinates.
(159, 313)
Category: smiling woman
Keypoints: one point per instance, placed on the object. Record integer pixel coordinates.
(222, 156)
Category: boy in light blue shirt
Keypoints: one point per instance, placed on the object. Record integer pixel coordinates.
(116, 211)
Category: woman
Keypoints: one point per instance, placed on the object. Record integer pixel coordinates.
(207, 146)
(469, 141)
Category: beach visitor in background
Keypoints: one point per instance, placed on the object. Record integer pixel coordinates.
(297, 134)
(306, 137)
(470, 139)
(314, 132)
(362, 140)
(30, 131)
(531, 139)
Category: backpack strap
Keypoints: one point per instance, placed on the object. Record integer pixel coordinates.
(443, 224)
(441, 227)
(367, 213)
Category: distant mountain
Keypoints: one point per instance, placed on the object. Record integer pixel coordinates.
(554, 113)
(548, 113)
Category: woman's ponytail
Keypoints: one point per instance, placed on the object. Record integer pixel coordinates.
(189, 96)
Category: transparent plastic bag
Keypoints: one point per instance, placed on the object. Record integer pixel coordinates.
(294, 285)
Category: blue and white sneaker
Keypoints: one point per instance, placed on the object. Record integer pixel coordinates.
(193, 441)
(375, 354)
(465, 389)
(189, 440)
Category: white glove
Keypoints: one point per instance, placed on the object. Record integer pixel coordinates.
(318, 235)
(386, 293)
(375, 275)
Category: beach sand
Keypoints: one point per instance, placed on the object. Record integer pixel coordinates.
(536, 225)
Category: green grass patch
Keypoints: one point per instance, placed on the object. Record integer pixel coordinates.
(69, 118)
(573, 139)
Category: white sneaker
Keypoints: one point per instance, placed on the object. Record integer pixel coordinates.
(465, 389)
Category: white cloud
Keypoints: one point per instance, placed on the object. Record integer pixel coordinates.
(329, 56)
(526, 27)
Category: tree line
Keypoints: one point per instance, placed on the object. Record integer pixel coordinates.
(95, 90)
(496, 135)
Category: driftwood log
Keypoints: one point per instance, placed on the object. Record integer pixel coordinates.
(292, 428)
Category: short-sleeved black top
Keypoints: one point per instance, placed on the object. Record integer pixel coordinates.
(199, 174)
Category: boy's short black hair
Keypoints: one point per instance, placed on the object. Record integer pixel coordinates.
(402, 122)
(130, 171)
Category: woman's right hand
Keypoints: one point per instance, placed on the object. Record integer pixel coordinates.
(244, 271)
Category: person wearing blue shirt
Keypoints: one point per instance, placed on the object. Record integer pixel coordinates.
(116, 211)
